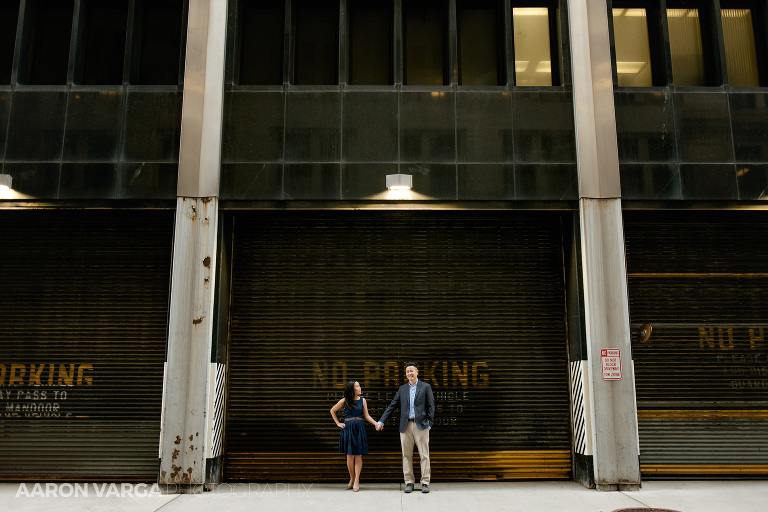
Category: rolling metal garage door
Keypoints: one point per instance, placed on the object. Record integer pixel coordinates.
(475, 298)
(83, 311)
(701, 281)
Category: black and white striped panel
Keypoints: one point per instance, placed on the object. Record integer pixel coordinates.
(578, 415)
(216, 418)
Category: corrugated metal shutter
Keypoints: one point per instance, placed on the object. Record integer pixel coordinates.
(475, 298)
(701, 280)
(83, 311)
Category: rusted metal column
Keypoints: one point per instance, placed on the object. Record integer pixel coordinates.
(190, 376)
(610, 452)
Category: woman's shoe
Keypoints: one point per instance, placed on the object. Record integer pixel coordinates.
(355, 489)
(349, 487)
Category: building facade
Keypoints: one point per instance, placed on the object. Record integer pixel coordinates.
(200, 249)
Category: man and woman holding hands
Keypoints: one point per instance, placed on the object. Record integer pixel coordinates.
(417, 414)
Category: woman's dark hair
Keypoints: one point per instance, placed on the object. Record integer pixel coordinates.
(349, 395)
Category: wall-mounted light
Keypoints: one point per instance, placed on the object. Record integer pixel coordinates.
(399, 181)
(5, 181)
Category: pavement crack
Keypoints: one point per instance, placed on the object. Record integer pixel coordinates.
(635, 499)
(168, 502)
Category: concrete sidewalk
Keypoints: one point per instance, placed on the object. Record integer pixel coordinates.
(688, 496)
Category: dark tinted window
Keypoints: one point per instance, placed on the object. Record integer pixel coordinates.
(9, 14)
(479, 42)
(425, 31)
(49, 28)
(158, 30)
(104, 41)
(370, 42)
(316, 42)
(262, 27)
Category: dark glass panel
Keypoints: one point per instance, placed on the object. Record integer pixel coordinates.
(714, 181)
(37, 126)
(370, 127)
(428, 127)
(152, 126)
(553, 182)
(370, 42)
(650, 181)
(252, 181)
(484, 126)
(704, 128)
(425, 33)
(253, 126)
(262, 26)
(749, 121)
(312, 181)
(480, 46)
(487, 182)
(159, 32)
(94, 121)
(312, 126)
(104, 49)
(49, 28)
(645, 126)
(543, 126)
(9, 14)
(88, 181)
(147, 180)
(316, 42)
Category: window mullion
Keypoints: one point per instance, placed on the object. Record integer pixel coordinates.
(343, 43)
(452, 66)
(509, 44)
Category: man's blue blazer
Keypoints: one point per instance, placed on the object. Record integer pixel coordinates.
(424, 406)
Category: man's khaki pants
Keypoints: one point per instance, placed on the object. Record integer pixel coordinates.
(420, 438)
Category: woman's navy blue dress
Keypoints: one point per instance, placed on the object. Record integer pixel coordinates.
(352, 438)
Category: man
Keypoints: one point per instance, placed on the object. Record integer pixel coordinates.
(417, 414)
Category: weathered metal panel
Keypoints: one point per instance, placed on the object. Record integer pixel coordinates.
(83, 310)
(185, 429)
(701, 281)
(476, 299)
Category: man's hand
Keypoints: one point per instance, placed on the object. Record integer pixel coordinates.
(379, 427)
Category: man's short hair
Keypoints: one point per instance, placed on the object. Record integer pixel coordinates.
(411, 363)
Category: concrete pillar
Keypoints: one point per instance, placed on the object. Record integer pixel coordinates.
(189, 422)
(607, 421)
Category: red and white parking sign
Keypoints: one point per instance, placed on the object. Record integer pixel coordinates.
(610, 361)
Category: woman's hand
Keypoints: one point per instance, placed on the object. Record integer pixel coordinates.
(340, 425)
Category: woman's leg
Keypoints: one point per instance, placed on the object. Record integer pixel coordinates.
(351, 469)
(358, 469)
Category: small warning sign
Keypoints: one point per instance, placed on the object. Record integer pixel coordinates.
(610, 361)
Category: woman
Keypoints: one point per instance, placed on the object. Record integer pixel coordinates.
(352, 438)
